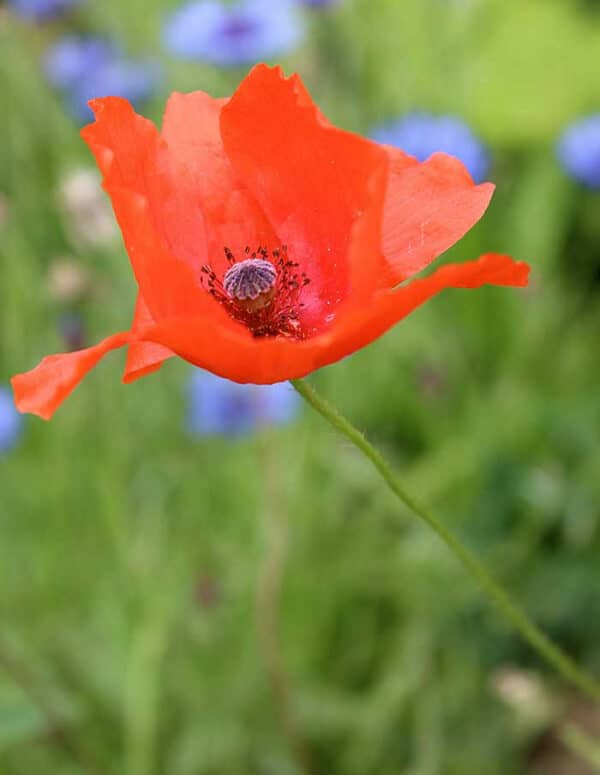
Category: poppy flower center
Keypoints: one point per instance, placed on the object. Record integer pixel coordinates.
(262, 291)
(251, 282)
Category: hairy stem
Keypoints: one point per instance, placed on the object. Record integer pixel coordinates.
(511, 611)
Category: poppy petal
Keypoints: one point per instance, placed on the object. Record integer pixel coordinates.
(237, 355)
(393, 305)
(428, 207)
(169, 286)
(191, 129)
(310, 178)
(162, 223)
(43, 389)
(143, 358)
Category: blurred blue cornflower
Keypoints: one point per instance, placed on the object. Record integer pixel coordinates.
(421, 134)
(579, 150)
(71, 58)
(136, 80)
(40, 10)
(87, 67)
(218, 406)
(244, 32)
(10, 421)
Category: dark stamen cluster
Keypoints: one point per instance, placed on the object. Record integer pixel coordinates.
(261, 291)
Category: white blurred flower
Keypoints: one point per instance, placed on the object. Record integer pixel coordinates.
(528, 697)
(89, 217)
(517, 687)
(68, 281)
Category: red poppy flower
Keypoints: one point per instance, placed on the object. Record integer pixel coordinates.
(266, 242)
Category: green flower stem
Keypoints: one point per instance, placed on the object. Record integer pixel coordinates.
(582, 745)
(513, 613)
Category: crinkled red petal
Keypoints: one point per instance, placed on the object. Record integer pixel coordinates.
(153, 198)
(313, 181)
(192, 132)
(428, 207)
(43, 389)
(143, 358)
(393, 305)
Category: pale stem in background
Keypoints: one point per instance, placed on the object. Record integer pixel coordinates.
(268, 599)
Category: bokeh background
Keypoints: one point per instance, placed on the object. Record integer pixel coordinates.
(203, 580)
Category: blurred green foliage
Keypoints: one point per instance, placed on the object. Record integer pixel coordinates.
(131, 553)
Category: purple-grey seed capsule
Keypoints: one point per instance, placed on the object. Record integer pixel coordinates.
(249, 279)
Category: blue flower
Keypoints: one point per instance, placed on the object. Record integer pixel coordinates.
(87, 67)
(421, 134)
(10, 421)
(136, 80)
(579, 150)
(72, 58)
(220, 407)
(40, 10)
(246, 32)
